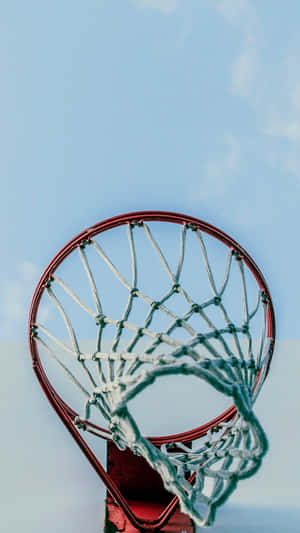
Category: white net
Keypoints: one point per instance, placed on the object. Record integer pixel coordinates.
(203, 341)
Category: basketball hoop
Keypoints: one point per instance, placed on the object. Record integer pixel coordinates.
(201, 467)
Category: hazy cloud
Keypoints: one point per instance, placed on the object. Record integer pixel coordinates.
(287, 129)
(283, 115)
(219, 175)
(241, 14)
(233, 10)
(165, 6)
(244, 70)
(284, 118)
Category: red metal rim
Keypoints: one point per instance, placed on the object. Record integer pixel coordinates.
(113, 222)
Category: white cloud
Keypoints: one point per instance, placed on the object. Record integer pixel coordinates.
(244, 71)
(233, 10)
(287, 129)
(283, 118)
(219, 175)
(165, 6)
(242, 15)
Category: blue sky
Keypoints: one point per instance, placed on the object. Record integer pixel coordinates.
(114, 106)
(108, 107)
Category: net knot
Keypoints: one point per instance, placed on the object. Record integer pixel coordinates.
(236, 255)
(245, 328)
(179, 322)
(264, 298)
(217, 300)
(84, 243)
(140, 332)
(34, 330)
(79, 423)
(155, 305)
(195, 308)
(100, 320)
(92, 399)
(192, 227)
(119, 442)
(205, 364)
(134, 292)
(136, 223)
(113, 425)
(235, 362)
(200, 338)
(184, 350)
(231, 328)
(184, 367)
(49, 281)
(120, 324)
(176, 287)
